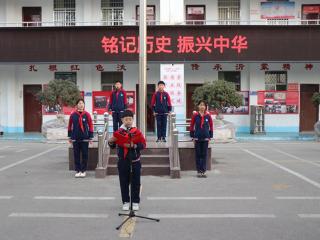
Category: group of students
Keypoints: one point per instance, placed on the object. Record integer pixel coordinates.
(129, 140)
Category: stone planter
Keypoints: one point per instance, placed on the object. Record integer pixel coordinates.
(56, 129)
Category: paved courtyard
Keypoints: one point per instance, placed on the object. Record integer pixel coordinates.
(257, 190)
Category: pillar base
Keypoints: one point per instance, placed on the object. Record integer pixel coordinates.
(175, 173)
(100, 172)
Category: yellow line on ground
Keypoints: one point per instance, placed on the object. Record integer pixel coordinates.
(128, 228)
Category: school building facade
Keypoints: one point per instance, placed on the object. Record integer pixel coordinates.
(269, 49)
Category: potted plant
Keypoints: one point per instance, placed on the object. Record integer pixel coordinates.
(54, 96)
(218, 94)
(316, 102)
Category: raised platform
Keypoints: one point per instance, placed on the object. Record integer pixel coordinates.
(155, 159)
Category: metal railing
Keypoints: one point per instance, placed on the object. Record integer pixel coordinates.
(64, 17)
(112, 16)
(174, 147)
(103, 148)
(116, 22)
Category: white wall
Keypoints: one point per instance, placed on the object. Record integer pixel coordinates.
(14, 9)
(3, 13)
(13, 77)
(167, 11)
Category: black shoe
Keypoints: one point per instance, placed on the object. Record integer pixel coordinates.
(158, 140)
(164, 140)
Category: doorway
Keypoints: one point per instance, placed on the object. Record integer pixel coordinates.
(31, 16)
(190, 104)
(151, 88)
(308, 112)
(32, 108)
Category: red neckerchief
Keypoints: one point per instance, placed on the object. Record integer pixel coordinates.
(122, 136)
(202, 118)
(80, 114)
(117, 93)
(161, 96)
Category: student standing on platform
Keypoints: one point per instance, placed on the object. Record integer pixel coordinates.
(118, 104)
(201, 131)
(161, 104)
(80, 133)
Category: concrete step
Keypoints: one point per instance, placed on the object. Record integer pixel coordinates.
(148, 151)
(145, 159)
(154, 170)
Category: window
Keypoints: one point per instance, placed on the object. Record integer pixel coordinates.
(276, 80)
(229, 11)
(151, 14)
(64, 12)
(195, 14)
(108, 80)
(311, 12)
(231, 76)
(112, 12)
(69, 76)
(31, 16)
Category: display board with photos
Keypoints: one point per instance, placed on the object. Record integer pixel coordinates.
(279, 102)
(243, 109)
(101, 99)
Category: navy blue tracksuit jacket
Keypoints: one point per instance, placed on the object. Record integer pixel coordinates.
(201, 130)
(161, 104)
(117, 104)
(80, 130)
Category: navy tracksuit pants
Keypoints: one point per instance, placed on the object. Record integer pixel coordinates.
(116, 118)
(83, 148)
(201, 149)
(161, 125)
(124, 177)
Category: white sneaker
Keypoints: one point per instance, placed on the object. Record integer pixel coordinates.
(135, 206)
(126, 206)
(83, 174)
(77, 175)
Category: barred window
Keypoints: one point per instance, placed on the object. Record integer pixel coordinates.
(68, 76)
(231, 76)
(276, 80)
(111, 3)
(64, 4)
(64, 12)
(229, 11)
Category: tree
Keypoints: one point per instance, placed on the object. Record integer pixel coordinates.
(218, 94)
(316, 99)
(59, 93)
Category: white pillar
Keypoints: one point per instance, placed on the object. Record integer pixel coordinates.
(9, 98)
(143, 67)
(87, 75)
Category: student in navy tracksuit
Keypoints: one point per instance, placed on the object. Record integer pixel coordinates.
(201, 131)
(129, 141)
(161, 104)
(80, 133)
(117, 104)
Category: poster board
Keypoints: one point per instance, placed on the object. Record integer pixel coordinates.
(173, 76)
(101, 100)
(279, 102)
